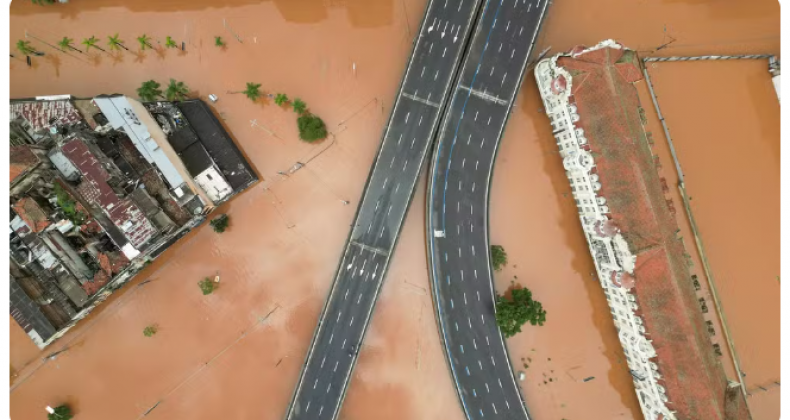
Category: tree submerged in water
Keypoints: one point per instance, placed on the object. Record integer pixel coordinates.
(220, 223)
(498, 257)
(61, 412)
(281, 99)
(311, 128)
(150, 330)
(512, 313)
(149, 91)
(176, 91)
(299, 106)
(207, 286)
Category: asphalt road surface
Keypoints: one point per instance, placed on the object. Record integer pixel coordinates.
(413, 124)
(458, 207)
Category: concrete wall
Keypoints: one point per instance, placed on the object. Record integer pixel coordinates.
(214, 184)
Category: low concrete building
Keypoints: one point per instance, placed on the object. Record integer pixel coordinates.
(94, 201)
(130, 116)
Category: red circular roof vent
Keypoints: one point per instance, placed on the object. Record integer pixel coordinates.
(627, 281)
(607, 228)
(558, 85)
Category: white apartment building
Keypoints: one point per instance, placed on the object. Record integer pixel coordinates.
(614, 262)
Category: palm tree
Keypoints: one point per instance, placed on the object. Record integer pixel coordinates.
(115, 42)
(25, 48)
(65, 43)
(91, 42)
(253, 91)
(169, 43)
(149, 91)
(218, 41)
(144, 41)
(299, 106)
(176, 91)
(281, 99)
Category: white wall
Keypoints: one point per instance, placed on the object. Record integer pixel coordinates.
(120, 114)
(610, 254)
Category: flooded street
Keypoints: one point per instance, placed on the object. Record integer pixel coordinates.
(220, 356)
(533, 215)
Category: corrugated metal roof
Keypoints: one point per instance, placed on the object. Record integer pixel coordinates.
(122, 212)
(121, 115)
(45, 114)
(63, 165)
(27, 314)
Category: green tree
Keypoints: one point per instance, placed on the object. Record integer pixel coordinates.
(299, 106)
(150, 330)
(145, 42)
(207, 286)
(42, 2)
(169, 43)
(280, 99)
(176, 91)
(25, 48)
(116, 43)
(253, 91)
(218, 41)
(61, 412)
(68, 205)
(91, 43)
(311, 128)
(149, 91)
(498, 257)
(65, 44)
(220, 223)
(518, 310)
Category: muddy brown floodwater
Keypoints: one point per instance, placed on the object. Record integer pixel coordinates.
(724, 122)
(220, 356)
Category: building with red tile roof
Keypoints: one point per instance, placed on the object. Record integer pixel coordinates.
(22, 159)
(631, 230)
(33, 215)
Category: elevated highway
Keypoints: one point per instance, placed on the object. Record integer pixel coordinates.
(457, 207)
(426, 85)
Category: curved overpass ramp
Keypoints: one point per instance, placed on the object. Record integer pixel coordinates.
(457, 207)
(426, 85)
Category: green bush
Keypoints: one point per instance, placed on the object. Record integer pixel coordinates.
(68, 206)
(498, 257)
(220, 223)
(520, 309)
(311, 128)
(150, 330)
(218, 41)
(207, 286)
(62, 412)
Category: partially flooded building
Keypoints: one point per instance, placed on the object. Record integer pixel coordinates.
(97, 192)
(631, 230)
